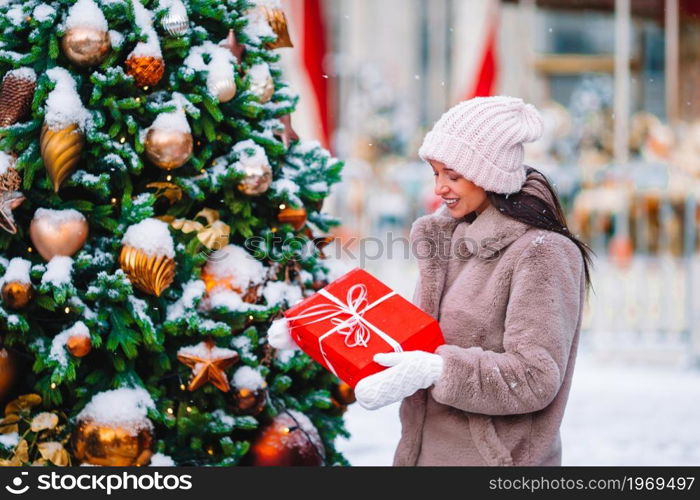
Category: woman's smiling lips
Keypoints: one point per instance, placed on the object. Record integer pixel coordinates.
(450, 201)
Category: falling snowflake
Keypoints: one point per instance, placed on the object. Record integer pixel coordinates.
(539, 240)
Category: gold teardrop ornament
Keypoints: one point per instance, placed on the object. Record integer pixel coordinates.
(60, 150)
(151, 274)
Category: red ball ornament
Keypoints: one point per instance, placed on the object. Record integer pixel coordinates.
(289, 440)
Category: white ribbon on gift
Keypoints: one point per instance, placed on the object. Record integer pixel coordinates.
(355, 328)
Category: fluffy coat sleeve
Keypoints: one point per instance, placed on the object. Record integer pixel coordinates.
(542, 317)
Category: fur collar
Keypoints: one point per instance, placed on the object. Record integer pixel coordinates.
(431, 239)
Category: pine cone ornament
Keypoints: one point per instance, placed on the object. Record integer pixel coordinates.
(10, 180)
(146, 70)
(16, 95)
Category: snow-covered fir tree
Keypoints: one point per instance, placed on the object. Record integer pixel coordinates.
(151, 196)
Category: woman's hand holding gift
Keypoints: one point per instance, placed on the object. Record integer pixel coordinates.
(408, 372)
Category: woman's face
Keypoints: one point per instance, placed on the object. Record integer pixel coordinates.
(460, 195)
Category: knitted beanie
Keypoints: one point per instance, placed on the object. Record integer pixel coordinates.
(482, 139)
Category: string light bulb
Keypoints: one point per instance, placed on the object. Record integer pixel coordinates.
(189, 409)
(169, 177)
(283, 206)
(122, 140)
(67, 310)
(53, 385)
(182, 387)
(170, 411)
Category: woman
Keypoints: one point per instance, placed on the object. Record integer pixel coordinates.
(508, 294)
(507, 282)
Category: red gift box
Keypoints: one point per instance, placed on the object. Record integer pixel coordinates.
(346, 323)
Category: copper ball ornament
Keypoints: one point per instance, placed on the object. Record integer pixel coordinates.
(168, 149)
(343, 393)
(248, 402)
(294, 216)
(146, 70)
(79, 345)
(17, 294)
(57, 236)
(7, 373)
(288, 441)
(85, 46)
(109, 445)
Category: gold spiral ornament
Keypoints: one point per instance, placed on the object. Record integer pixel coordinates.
(60, 150)
(151, 274)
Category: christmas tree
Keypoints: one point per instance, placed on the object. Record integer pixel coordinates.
(158, 213)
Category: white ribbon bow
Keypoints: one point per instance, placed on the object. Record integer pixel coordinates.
(355, 328)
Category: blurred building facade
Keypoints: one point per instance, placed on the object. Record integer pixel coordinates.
(617, 82)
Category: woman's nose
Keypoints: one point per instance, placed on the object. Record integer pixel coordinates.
(440, 188)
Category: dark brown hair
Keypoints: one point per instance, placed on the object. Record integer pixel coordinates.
(537, 212)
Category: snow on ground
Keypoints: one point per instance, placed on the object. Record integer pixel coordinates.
(625, 408)
(616, 415)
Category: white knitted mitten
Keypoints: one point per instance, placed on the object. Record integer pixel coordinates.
(278, 335)
(410, 371)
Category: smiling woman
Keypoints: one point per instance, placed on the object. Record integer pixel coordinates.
(460, 196)
(510, 312)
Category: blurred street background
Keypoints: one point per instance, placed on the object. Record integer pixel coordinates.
(617, 82)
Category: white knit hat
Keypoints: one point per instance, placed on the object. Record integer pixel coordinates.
(482, 139)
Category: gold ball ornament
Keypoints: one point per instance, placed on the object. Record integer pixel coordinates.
(146, 70)
(294, 216)
(168, 149)
(17, 294)
(79, 345)
(289, 440)
(257, 180)
(223, 88)
(151, 274)
(58, 232)
(261, 83)
(85, 46)
(60, 150)
(110, 445)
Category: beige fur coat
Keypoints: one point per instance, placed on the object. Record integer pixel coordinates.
(510, 309)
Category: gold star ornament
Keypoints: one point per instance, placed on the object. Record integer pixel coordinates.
(208, 363)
